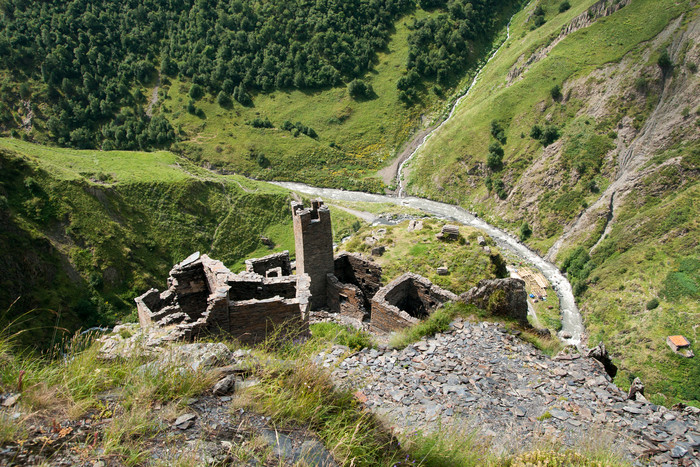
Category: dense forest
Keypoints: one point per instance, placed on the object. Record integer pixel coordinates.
(88, 59)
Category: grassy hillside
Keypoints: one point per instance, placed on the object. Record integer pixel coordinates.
(84, 232)
(598, 132)
(420, 252)
(226, 96)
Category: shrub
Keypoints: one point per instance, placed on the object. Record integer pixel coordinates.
(563, 6)
(495, 158)
(664, 62)
(260, 123)
(359, 89)
(223, 99)
(549, 135)
(653, 303)
(555, 92)
(196, 91)
(498, 132)
(500, 188)
(525, 231)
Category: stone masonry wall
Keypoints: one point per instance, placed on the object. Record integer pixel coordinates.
(205, 297)
(352, 268)
(275, 265)
(346, 299)
(405, 300)
(313, 239)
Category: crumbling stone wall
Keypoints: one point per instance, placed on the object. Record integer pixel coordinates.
(346, 299)
(275, 265)
(405, 301)
(350, 289)
(313, 240)
(204, 297)
(354, 269)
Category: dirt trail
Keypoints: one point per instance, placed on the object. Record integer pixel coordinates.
(390, 173)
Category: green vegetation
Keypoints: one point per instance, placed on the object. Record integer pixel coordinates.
(342, 335)
(570, 157)
(440, 46)
(85, 232)
(76, 75)
(420, 252)
(660, 280)
(438, 321)
(66, 49)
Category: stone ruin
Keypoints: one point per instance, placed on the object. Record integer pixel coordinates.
(205, 297)
(405, 301)
(352, 286)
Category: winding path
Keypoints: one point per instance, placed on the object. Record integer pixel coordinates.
(571, 319)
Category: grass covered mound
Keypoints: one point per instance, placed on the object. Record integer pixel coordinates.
(419, 251)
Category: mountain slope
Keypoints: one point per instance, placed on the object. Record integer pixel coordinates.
(84, 232)
(595, 113)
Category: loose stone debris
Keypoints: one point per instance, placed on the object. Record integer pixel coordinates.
(477, 375)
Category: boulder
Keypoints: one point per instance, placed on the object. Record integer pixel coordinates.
(600, 353)
(636, 389)
(501, 297)
(443, 271)
(378, 250)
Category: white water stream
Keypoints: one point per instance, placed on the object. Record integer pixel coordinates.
(399, 177)
(571, 319)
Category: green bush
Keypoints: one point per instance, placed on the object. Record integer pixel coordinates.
(684, 281)
(555, 92)
(196, 91)
(563, 6)
(525, 231)
(653, 303)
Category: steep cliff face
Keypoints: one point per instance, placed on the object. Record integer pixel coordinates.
(595, 114)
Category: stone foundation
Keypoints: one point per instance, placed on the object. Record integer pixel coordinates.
(405, 301)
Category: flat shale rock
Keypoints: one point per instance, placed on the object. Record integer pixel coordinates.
(476, 377)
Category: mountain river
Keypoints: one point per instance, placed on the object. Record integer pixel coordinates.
(571, 318)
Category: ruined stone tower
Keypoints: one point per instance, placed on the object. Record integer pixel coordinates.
(313, 238)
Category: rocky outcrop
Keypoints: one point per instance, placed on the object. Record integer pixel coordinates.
(600, 353)
(477, 378)
(500, 297)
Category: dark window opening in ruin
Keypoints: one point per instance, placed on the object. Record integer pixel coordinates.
(276, 272)
(343, 298)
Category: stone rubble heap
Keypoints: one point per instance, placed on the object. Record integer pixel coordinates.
(478, 376)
